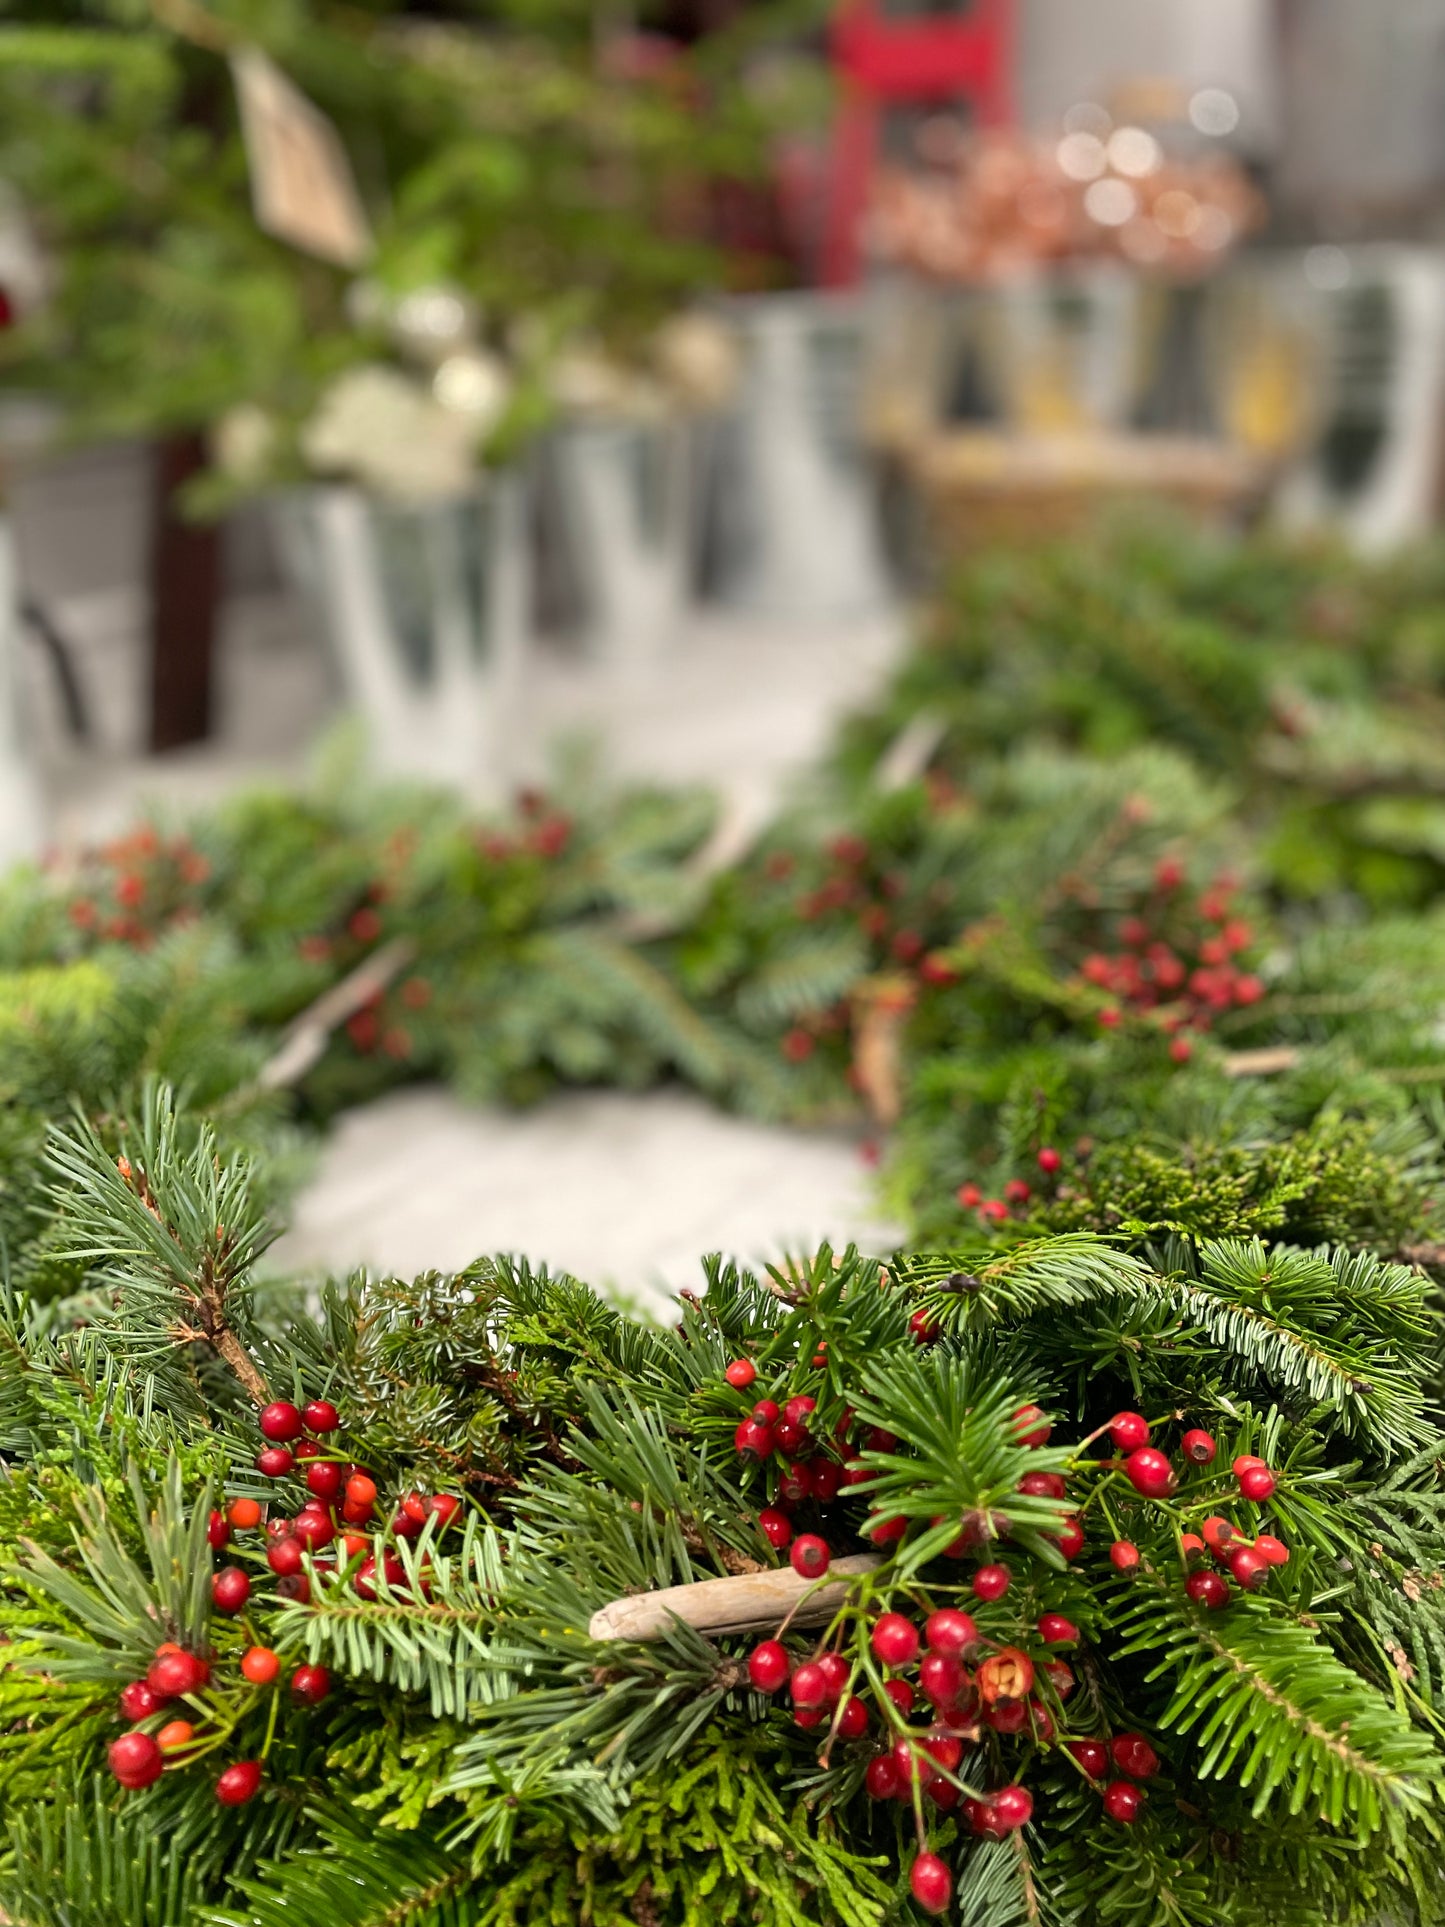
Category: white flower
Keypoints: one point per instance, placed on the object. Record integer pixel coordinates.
(698, 358)
(474, 384)
(384, 430)
(585, 381)
(243, 443)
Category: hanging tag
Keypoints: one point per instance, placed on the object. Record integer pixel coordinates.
(302, 188)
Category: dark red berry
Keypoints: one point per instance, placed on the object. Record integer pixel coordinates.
(172, 1675)
(809, 1556)
(740, 1374)
(853, 1720)
(766, 1412)
(218, 1530)
(809, 1685)
(139, 1700)
(306, 1449)
(1056, 1630)
(796, 1484)
(895, 1640)
(881, 1777)
(311, 1684)
(1124, 1555)
(1132, 1754)
(295, 1585)
(321, 1416)
(1198, 1447)
(799, 1410)
(753, 1439)
(950, 1631)
(280, 1422)
(1061, 1677)
(776, 1527)
(1043, 1485)
(283, 1556)
(313, 1529)
(900, 1691)
(444, 1508)
(930, 1883)
(1122, 1802)
(1129, 1430)
(1049, 1160)
(885, 1532)
(826, 1476)
(1249, 1568)
(1013, 1807)
(1150, 1473)
(1031, 1425)
(1207, 1589)
(924, 1326)
(991, 1582)
(941, 1678)
(239, 1783)
(1071, 1539)
(230, 1589)
(275, 1462)
(768, 1666)
(135, 1760)
(809, 1716)
(323, 1479)
(1092, 1756)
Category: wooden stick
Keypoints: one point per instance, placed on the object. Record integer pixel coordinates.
(756, 1602)
(1263, 1062)
(907, 757)
(306, 1036)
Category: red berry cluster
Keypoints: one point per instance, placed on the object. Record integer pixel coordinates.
(138, 886)
(1017, 1193)
(1177, 965)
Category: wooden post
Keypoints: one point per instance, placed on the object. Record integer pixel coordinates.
(185, 583)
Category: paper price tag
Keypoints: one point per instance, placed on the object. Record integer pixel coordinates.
(302, 187)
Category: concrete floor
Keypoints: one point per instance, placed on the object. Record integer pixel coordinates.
(627, 1191)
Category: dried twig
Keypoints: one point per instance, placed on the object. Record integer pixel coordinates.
(754, 1603)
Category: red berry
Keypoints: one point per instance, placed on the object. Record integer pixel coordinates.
(138, 1701)
(1132, 1754)
(765, 1412)
(1071, 1539)
(1061, 1677)
(809, 1685)
(239, 1783)
(799, 1410)
(321, 1416)
(949, 1631)
(768, 1666)
(275, 1462)
(294, 1585)
(1273, 1551)
(900, 1691)
(1244, 1462)
(1207, 1589)
(1129, 1430)
(323, 1479)
(1122, 1802)
(753, 1440)
(218, 1531)
(991, 1582)
(826, 1476)
(313, 1529)
(836, 1671)
(809, 1716)
(311, 1684)
(444, 1508)
(969, 1196)
(1193, 1548)
(1150, 1473)
(1219, 1535)
(941, 1678)
(1257, 1482)
(1007, 1716)
(886, 1532)
(230, 1589)
(1049, 1160)
(1249, 1568)
(1013, 1807)
(360, 1499)
(776, 1527)
(172, 1675)
(135, 1760)
(1123, 1555)
(283, 1556)
(1198, 1447)
(895, 1640)
(1031, 1426)
(280, 1422)
(809, 1556)
(260, 1665)
(1043, 1485)
(243, 1514)
(740, 1374)
(1092, 1756)
(789, 1439)
(853, 1721)
(881, 1777)
(1056, 1630)
(924, 1327)
(306, 1449)
(930, 1883)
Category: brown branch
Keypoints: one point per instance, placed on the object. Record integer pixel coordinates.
(307, 1036)
(754, 1603)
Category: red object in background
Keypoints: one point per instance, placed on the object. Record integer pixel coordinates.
(883, 63)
